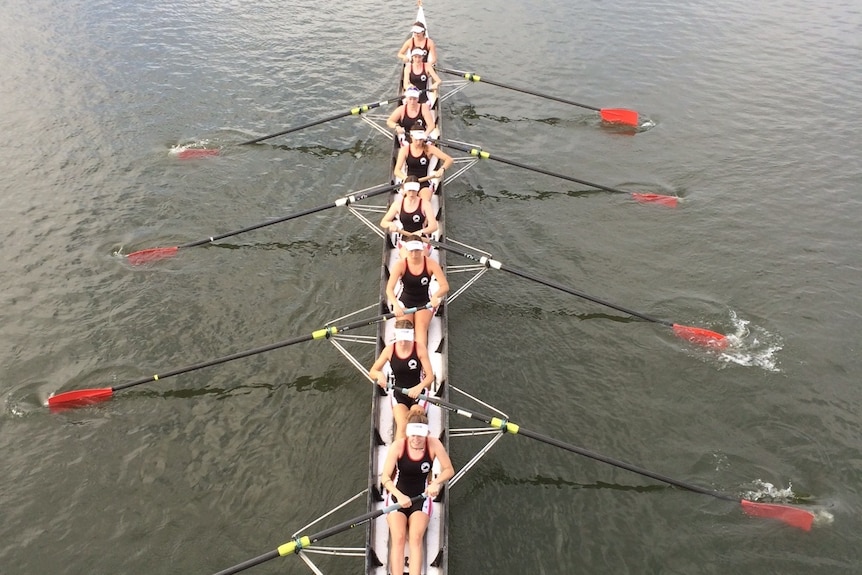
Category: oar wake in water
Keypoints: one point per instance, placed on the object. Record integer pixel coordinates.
(788, 514)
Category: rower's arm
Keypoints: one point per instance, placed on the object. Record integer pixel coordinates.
(430, 219)
(399, 172)
(394, 118)
(389, 219)
(402, 52)
(442, 282)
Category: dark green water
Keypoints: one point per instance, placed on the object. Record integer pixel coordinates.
(756, 119)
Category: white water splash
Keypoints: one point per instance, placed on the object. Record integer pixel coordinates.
(765, 491)
(752, 346)
(646, 125)
(195, 145)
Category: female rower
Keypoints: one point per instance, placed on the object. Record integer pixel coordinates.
(419, 39)
(410, 461)
(411, 369)
(414, 273)
(411, 115)
(413, 160)
(409, 212)
(418, 73)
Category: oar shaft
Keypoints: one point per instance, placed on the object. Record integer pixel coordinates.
(301, 543)
(487, 262)
(481, 154)
(342, 202)
(478, 78)
(351, 112)
(324, 333)
(250, 563)
(505, 425)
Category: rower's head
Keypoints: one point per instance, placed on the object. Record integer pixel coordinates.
(417, 427)
(418, 137)
(413, 244)
(404, 332)
(418, 29)
(417, 54)
(411, 185)
(412, 93)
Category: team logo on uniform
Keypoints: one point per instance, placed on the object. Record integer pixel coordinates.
(412, 364)
(424, 281)
(424, 78)
(417, 218)
(423, 161)
(426, 467)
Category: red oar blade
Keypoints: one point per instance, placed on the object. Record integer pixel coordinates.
(701, 336)
(670, 201)
(80, 397)
(619, 116)
(192, 153)
(150, 255)
(792, 516)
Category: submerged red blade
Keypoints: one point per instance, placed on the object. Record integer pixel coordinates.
(191, 153)
(670, 201)
(80, 397)
(151, 254)
(792, 516)
(701, 336)
(619, 116)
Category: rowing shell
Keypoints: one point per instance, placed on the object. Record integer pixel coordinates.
(435, 557)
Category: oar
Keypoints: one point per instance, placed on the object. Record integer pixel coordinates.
(612, 115)
(788, 514)
(187, 153)
(643, 198)
(94, 395)
(301, 543)
(151, 254)
(697, 335)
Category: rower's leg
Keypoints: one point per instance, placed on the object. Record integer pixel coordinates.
(416, 535)
(397, 538)
(421, 321)
(426, 193)
(399, 412)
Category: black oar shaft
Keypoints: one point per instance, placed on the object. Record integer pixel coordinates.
(477, 78)
(300, 543)
(342, 202)
(488, 262)
(324, 333)
(506, 426)
(481, 154)
(250, 563)
(351, 112)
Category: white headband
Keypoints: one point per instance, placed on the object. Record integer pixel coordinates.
(417, 429)
(413, 245)
(411, 186)
(417, 29)
(403, 334)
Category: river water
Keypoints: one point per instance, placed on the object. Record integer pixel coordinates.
(751, 116)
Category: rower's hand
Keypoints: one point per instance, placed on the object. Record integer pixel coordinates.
(399, 130)
(398, 310)
(381, 381)
(433, 489)
(435, 301)
(403, 500)
(415, 391)
(439, 173)
(393, 228)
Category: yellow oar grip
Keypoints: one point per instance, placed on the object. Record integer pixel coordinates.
(294, 546)
(505, 425)
(473, 77)
(479, 153)
(325, 332)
